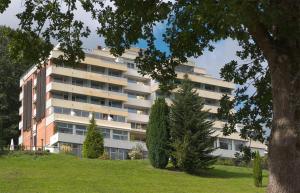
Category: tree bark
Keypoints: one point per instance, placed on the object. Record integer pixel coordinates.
(284, 147)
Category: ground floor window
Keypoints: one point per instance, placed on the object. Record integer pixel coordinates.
(116, 153)
(225, 144)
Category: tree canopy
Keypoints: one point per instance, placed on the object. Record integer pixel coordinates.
(12, 66)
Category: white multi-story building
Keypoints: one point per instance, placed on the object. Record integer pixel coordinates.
(58, 101)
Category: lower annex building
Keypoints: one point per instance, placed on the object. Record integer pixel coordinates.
(58, 102)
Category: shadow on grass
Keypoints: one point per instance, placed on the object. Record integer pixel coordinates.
(215, 173)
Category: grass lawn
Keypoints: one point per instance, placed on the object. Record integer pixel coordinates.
(64, 174)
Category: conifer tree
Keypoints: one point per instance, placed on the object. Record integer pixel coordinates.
(93, 146)
(158, 134)
(257, 170)
(191, 132)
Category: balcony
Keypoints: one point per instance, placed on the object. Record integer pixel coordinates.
(86, 91)
(21, 110)
(211, 94)
(20, 125)
(134, 73)
(87, 107)
(138, 103)
(21, 96)
(86, 75)
(211, 108)
(138, 87)
(207, 80)
(138, 118)
(86, 121)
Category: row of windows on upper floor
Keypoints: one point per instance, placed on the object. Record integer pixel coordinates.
(95, 69)
(96, 101)
(206, 101)
(118, 73)
(97, 85)
(208, 87)
(82, 113)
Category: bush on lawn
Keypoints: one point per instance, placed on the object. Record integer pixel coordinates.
(136, 152)
(105, 156)
(65, 148)
(257, 170)
(93, 146)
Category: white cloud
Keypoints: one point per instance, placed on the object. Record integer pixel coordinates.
(223, 53)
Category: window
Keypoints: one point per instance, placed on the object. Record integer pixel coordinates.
(120, 135)
(97, 101)
(136, 96)
(79, 98)
(80, 129)
(61, 79)
(131, 95)
(131, 80)
(131, 110)
(98, 69)
(66, 111)
(116, 104)
(114, 88)
(97, 115)
(81, 67)
(61, 110)
(116, 73)
(225, 144)
(209, 87)
(80, 113)
(238, 145)
(60, 95)
(225, 90)
(106, 132)
(138, 126)
(97, 85)
(64, 128)
(130, 65)
(211, 102)
(79, 82)
(58, 110)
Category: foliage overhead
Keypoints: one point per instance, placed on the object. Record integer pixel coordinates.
(11, 68)
(158, 134)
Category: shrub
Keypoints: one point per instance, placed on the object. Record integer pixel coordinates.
(257, 170)
(105, 156)
(65, 148)
(225, 161)
(93, 146)
(136, 152)
(158, 134)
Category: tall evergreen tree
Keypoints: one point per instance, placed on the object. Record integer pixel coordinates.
(257, 170)
(191, 132)
(158, 134)
(93, 146)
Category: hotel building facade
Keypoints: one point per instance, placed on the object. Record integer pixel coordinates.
(58, 102)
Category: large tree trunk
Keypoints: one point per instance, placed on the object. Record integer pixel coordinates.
(284, 148)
